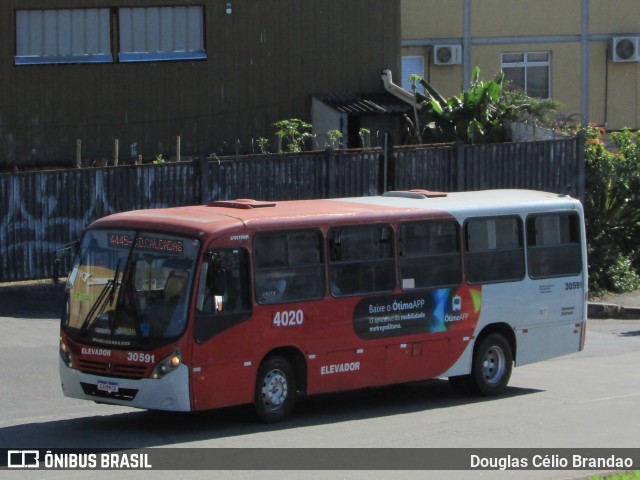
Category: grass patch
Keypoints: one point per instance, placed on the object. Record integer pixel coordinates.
(618, 476)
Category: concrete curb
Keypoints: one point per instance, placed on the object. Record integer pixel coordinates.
(37, 300)
(610, 310)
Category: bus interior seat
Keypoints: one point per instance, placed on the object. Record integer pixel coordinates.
(175, 286)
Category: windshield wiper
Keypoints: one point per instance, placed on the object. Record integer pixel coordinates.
(127, 302)
(111, 285)
(105, 297)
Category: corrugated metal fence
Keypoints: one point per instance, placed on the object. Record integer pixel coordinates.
(42, 211)
(553, 166)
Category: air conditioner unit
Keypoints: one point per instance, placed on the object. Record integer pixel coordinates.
(447, 54)
(625, 49)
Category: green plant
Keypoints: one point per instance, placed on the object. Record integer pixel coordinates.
(622, 276)
(294, 132)
(365, 137)
(478, 114)
(612, 210)
(262, 145)
(618, 476)
(159, 159)
(414, 126)
(335, 139)
(474, 116)
(522, 108)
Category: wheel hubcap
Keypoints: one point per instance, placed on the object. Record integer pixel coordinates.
(274, 389)
(493, 365)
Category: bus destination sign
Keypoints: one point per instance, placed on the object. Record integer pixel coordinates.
(156, 244)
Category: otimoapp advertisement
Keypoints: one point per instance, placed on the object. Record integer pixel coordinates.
(414, 313)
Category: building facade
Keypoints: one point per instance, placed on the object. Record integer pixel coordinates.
(584, 53)
(79, 74)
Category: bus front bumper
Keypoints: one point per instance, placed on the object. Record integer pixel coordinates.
(170, 392)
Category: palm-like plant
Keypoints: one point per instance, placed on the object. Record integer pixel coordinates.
(474, 116)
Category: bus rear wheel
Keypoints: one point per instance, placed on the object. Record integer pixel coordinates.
(275, 390)
(492, 364)
(491, 368)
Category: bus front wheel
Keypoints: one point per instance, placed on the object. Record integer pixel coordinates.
(275, 389)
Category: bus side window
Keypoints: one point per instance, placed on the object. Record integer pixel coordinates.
(494, 250)
(430, 254)
(553, 245)
(223, 287)
(361, 260)
(289, 266)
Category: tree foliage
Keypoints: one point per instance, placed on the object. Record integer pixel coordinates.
(294, 132)
(477, 115)
(473, 116)
(612, 209)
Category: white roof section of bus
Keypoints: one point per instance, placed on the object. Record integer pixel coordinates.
(483, 201)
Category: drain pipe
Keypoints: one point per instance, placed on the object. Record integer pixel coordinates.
(405, 96)
(397, 91)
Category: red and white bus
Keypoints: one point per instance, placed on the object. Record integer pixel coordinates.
(245, 301)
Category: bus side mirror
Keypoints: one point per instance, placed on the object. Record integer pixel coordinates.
(75, 246)
(56, 270)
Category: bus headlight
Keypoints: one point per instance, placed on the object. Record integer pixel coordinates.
(167, 365)
(65, 354)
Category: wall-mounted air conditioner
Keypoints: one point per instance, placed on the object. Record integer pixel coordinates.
(625, 49)
(447, 54)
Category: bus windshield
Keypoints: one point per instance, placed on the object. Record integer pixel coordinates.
(129, 287)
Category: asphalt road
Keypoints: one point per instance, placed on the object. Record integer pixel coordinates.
(584, 400)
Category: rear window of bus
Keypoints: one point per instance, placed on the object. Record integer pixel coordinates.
(553, 245)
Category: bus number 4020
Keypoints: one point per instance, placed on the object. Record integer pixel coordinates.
(288, 318)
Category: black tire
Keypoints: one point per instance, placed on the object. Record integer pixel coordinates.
(492, 365)
(275, 393)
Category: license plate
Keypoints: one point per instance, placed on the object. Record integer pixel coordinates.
(109, 387)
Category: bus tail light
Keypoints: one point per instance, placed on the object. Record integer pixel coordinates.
(65, 354)
(167, 365)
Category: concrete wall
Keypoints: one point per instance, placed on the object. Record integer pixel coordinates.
(263, 63)
(577, 33)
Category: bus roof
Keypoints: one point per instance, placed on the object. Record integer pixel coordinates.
(469, 203)
(229, 215)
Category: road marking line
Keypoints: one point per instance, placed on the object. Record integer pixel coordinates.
(604, 399)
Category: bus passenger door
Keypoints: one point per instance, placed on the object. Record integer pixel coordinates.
(223, 340)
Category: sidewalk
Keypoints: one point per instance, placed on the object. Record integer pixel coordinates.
(612, 305)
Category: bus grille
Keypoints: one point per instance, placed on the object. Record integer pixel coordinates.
(122, 394)
(111, 369)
